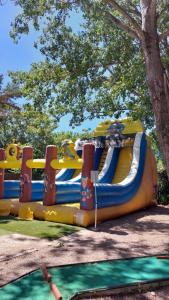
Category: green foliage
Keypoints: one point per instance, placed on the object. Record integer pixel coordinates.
(163, 188)
(27, 127)
(95, 72)
(31, 127)
(8, 95)
(156, 150)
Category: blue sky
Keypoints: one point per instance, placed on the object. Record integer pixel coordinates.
(20, 56)
(15, 56)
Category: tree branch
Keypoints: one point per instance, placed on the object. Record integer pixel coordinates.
(123, 26)
(164, 35)
(6, 96)
(148, 12)
(127, 16)
(134, 12)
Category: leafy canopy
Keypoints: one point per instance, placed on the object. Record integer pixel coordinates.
(8, 95)
(95, 71)
(27, 126)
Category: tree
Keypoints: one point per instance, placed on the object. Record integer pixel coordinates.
(7, 96)
(28, 126)
(121, 50)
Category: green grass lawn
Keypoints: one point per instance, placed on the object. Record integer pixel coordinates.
(41, 229)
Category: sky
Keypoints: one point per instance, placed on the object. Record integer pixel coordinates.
(15, 57)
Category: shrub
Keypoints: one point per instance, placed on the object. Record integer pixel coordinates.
(163, 188)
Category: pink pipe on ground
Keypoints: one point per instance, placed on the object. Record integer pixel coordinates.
(26, 176)
(2, 172)
(87, 187)
(50, 174)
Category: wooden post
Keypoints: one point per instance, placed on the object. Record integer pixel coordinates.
(50, 175)
(26, 176)
(87, 187)
(2, 172)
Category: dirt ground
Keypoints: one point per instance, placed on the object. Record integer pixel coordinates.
(139, 234)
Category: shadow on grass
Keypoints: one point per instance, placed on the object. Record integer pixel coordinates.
(7, 219)
(35, 228)
(124, 237)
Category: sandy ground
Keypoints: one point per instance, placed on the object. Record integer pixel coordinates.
(142, 233)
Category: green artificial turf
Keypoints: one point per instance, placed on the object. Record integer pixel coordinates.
(41, 229)
(72, 279)
(4, 232)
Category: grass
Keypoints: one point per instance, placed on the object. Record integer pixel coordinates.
(41, 229)
(4, 232)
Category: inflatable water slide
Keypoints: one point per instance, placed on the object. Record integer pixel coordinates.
(109, 175)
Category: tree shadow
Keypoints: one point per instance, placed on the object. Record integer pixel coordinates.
(128, 236)
(124, 237)
(136, 222)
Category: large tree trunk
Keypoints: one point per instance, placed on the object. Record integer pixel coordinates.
(160, 100)
(158, 84)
